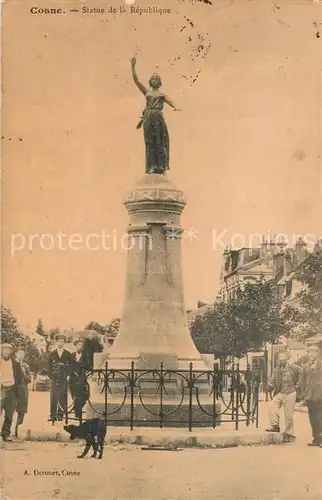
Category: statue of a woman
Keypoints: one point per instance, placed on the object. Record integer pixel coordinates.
(156, 136)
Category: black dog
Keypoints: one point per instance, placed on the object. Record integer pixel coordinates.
(93, 431)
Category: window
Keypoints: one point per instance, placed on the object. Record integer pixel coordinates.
(288, 288)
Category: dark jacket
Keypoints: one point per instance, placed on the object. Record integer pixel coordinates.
(275, 383)
(311, 382)
(56, 365)
(83, 361)
(79, 368)
(78, 379)
(23, 392)
(17, 372)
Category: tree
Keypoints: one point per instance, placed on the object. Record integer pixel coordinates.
(43, 363)
(10, 331)
(109, 330)
(211, 331)
(53, 332)
(32, 355)
(40, 329)
(105, 332)
(306, 319)
(244, 323)
(113, 327)
(94, 325)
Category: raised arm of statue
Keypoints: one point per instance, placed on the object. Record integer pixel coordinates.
(171, 103)
(136, 80)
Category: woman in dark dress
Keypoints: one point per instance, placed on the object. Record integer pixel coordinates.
(156, 136)
(23, 391)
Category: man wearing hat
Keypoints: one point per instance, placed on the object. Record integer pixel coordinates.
(58, 371)
(311, 386)
(79, 387)
(11, 378)
(284, 384)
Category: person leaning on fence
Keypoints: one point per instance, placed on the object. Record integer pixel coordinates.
(23, 390)
(311, 388)
(11, 378)
(285, 384)
(79, 387)
(58, 371)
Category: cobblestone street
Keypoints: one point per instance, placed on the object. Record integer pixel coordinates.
(280, 472)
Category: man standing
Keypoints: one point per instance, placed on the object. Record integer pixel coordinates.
(11, 378)
(79, 388)
(23, 390)
(58, 371)
(284, 384)
(311, 386)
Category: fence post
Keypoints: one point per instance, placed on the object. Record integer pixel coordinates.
(257, 400)
(237, 385)
(266, 371)
(232, 391)
(105, 392)
(253, 392)
(161, 396)
(248, 395)
(132, 395)
(190, 396)
(214, 394)
(66, 395)
(84, 378)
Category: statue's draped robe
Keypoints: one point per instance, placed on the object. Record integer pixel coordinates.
(156, 136)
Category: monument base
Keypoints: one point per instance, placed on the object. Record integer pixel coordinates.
(148, 362)
(147, 373)
(151, 414)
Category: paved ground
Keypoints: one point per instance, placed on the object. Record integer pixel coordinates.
(279, 472)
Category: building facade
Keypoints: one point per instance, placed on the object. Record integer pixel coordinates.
(272, 260)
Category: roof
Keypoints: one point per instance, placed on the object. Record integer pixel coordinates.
(285, 279)
(249, 265)
(192, 315)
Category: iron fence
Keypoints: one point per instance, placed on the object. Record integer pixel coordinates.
(188, 398)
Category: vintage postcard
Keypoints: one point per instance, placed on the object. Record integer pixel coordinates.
(161, 310)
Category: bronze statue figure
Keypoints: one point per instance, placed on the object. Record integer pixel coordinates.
(156, 136)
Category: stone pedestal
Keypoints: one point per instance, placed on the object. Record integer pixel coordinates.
(154, 324)
(154, 327)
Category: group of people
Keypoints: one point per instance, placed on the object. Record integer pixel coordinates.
(67, 372)
(291, 383)
(15, 377)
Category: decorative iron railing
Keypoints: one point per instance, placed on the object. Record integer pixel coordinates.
(188, 398)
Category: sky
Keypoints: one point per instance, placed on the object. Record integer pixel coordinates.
(246, 147)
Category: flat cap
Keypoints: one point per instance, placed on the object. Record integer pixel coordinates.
(79, 341)
(60, 336)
